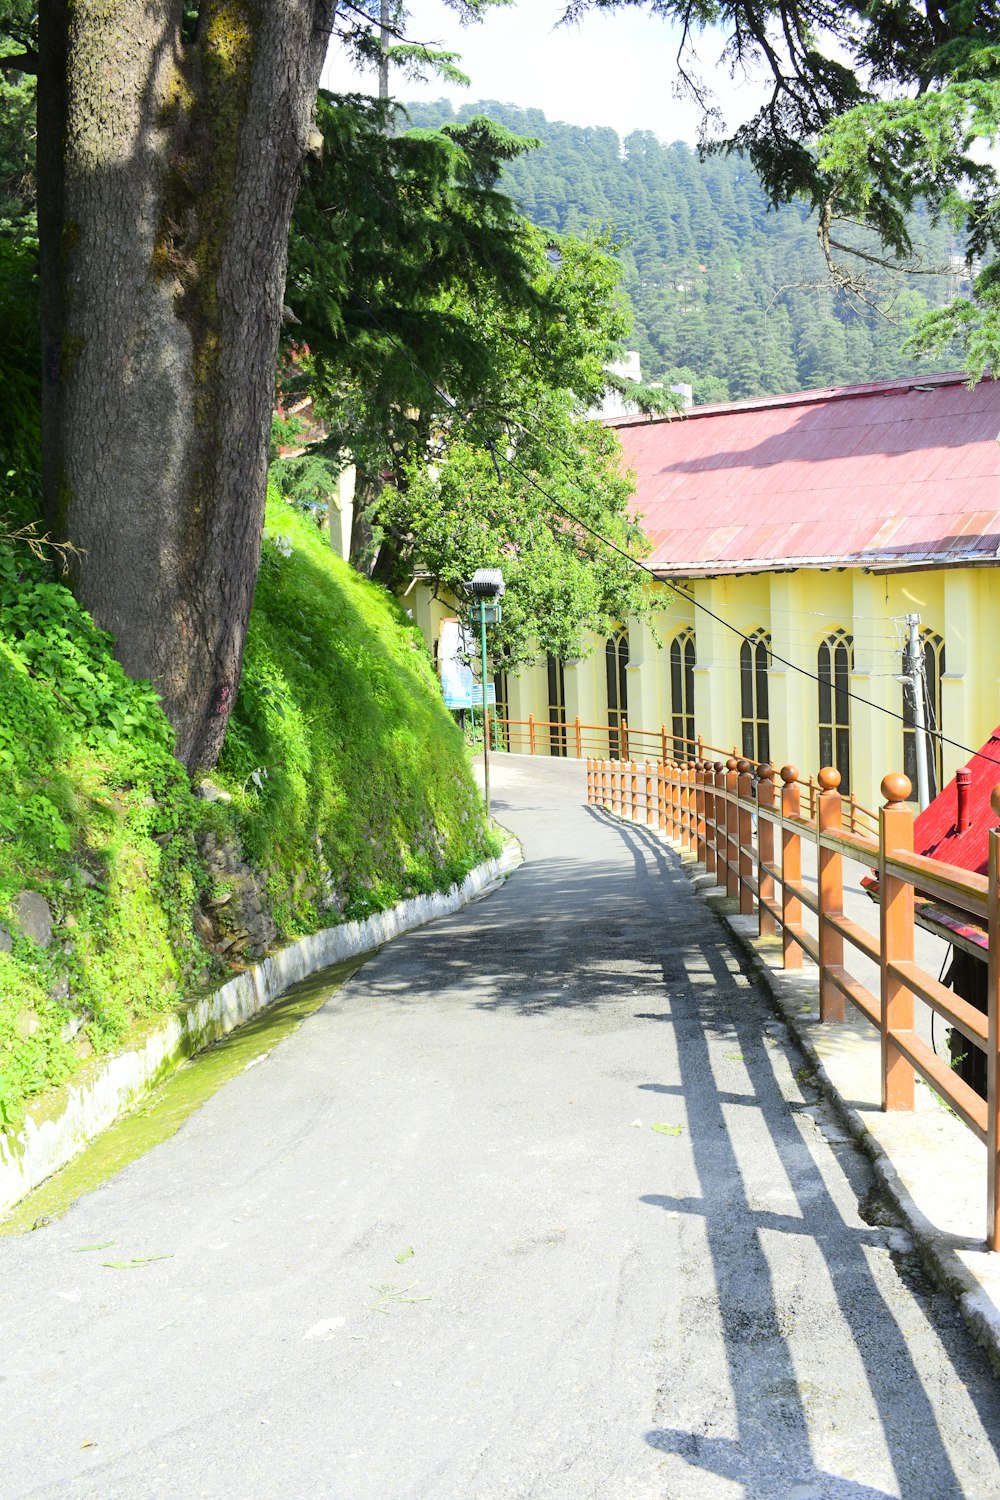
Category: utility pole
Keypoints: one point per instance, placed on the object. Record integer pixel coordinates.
(915, 676)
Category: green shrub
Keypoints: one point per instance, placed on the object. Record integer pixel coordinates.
(349, 782)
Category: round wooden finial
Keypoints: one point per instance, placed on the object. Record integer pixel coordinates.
(789, 774)
(743, 766)
(765, 771)
(995, 800)
(719, 766)
(732, 763)
(829, 778)
(896, 788)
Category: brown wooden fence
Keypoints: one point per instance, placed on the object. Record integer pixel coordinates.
(709, 808)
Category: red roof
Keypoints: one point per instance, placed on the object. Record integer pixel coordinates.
(936, 832)
(898, 473)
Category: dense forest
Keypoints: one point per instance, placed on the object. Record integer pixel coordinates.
(728, 294)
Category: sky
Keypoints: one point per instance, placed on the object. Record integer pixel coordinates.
(618, 70)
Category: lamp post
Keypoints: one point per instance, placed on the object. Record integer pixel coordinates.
(487, 588)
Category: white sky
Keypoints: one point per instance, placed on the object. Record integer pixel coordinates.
(611, 69)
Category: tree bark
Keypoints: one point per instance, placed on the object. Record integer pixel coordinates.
(168, 173)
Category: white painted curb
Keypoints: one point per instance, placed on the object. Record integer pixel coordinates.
(42, 1147)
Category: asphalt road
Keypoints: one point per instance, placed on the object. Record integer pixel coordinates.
(541, 1204)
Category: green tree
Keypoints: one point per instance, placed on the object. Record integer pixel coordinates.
(874, 110)
(448, 340)
(170, 142)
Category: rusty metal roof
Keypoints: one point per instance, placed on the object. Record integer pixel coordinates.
(902, 473)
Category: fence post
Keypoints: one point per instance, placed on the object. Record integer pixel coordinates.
(720, 824)
(623, 727)
(732, 829)
(616, 805)
(896, 910)
(633, 790)
(830, 864)
(745, 829)
(993, 1038)
(604, 782)
(766, 925)
(791, 868)
(661, 795)
(650, 796)
(675, 801)
(682, 805)
(708, 777)
(531, 733)
(701, 840)
(579, 737)
(590, 784)
(663, 741)
(691, 841)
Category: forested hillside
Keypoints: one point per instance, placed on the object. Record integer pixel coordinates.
(728, 295)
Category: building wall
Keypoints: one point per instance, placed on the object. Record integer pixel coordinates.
(798, 609)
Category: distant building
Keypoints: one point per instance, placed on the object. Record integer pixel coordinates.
(813, 524)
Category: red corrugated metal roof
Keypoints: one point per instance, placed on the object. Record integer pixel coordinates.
(900, 473)
(936, 831)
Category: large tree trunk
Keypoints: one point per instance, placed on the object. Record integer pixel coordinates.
(168, 173)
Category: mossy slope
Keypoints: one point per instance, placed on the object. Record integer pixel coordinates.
(349, 784)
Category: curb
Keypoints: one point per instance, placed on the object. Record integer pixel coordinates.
(45, 1144)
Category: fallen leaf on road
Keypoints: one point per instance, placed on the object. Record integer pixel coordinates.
(668, 1129)
(102, 1246)
(388, 1296)
(137, 1260)
(404, 1255)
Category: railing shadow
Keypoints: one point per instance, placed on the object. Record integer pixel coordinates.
(761, 1319)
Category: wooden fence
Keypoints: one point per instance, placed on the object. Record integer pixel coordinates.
(577, 740)
(710, 809)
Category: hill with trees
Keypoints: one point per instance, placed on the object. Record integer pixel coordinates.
(728, 293)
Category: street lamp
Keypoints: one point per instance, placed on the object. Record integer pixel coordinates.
(487, 588)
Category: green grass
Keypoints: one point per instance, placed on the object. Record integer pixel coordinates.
(350, 789)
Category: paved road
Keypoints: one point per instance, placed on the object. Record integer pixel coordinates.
(594, 1308)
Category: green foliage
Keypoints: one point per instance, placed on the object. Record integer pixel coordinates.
(902, 99)
(350, 790)
(97, 817)
(729, 294)
(452, 333)
(561, 582)
(342, 760)
(383, 230)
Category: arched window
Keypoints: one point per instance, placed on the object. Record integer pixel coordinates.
(616, 654)
(834, 664)
(682, 660)
(933, 669)
(557, 706)
(754, 654)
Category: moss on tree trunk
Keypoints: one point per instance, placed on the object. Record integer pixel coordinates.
(169, 169)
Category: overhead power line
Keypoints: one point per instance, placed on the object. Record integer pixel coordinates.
(467, 419)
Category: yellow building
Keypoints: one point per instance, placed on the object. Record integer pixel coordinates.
(793, 536)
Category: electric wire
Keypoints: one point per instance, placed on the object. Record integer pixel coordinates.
(467, 420)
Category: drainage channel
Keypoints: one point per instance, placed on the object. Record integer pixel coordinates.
(164, 1111)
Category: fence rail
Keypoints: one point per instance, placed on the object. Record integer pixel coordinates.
(625, 744)
(746, 827)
